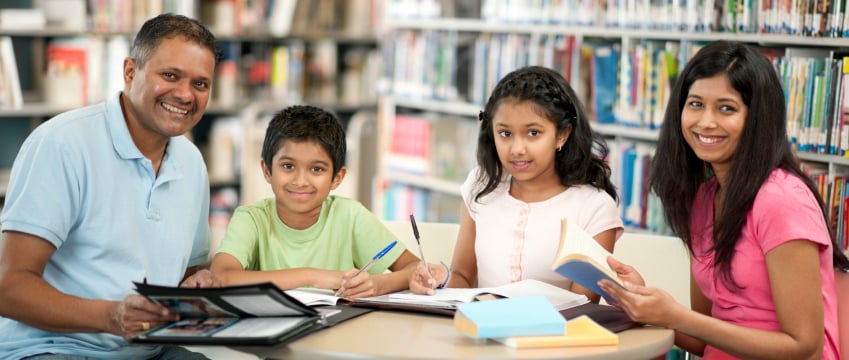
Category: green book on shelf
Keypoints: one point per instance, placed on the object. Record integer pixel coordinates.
(521, 316)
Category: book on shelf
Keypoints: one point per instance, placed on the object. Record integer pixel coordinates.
(580, 331)
(66, 80)
(445, 301)
(521, 316)
(581, 259)
(256, 314)
(10, 85)
(280, 16)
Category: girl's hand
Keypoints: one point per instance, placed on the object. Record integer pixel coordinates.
(425, 279)
(626, 273)
(644, 304)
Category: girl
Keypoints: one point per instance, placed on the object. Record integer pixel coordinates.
(762, 256)
(537, 164)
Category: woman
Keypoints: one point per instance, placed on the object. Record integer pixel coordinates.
(763, 257)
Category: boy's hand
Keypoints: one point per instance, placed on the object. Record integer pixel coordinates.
(327, 279)
(202, 278)
(361, 285)
(423, 281)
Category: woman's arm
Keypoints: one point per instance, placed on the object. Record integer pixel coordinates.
(702, 305)
(794, 277)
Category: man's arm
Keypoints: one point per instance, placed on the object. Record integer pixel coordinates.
(26, 297)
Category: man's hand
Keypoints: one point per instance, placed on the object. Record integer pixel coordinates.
(135, 314)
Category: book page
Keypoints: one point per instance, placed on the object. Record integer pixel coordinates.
(260, 327)
(260, 305)
(559, 298)
(574, 240)
(447, 295)
(583, 260)
(313, 297)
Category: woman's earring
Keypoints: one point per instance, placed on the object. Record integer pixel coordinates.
(559, 147)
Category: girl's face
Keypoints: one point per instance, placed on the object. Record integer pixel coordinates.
(526, 141)
(713, 119)
(301, 177)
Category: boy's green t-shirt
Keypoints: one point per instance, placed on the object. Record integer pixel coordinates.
(346, 235)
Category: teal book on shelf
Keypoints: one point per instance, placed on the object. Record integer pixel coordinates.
(521, 316)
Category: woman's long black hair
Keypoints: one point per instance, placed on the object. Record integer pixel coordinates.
(677, 172)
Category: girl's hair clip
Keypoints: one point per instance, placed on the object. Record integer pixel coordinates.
(481, 115)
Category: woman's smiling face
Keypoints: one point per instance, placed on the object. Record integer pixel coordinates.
(713, 119)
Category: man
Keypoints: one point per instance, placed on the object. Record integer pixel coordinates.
(106, 195)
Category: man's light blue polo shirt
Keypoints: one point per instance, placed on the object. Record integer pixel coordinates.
(80, 183)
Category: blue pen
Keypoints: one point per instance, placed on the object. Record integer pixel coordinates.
(377, 257)
(374, 260)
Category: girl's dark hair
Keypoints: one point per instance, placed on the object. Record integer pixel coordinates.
(166, 26)
(676, 171)
(306, 123)
(582, 158)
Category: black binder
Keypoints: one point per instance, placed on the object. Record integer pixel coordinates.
(255, 314)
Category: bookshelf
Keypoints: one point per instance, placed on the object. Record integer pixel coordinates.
(484, 47)
(328, 61)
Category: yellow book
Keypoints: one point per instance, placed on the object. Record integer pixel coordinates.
(580, 331)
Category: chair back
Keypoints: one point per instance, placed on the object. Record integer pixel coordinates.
(663, 261)
(437, 239)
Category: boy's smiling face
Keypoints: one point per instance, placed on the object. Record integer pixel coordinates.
(301, 176)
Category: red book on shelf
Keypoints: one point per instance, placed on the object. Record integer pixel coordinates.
(67, 67)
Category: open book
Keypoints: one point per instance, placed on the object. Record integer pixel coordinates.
(445, 301)
(257, 314)
(314, 297)
(582, 259)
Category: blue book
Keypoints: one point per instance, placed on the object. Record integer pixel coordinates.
(581, 259)
(520, 316)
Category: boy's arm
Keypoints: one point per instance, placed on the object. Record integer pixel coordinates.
(230, 271)
(399, 279)
(366, 285)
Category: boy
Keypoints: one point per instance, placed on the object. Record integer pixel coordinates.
(304, 236)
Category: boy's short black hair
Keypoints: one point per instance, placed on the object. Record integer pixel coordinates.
(306, 123)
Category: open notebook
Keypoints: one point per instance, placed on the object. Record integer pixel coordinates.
(445, 301)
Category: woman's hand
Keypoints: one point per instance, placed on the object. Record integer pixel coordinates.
(644, 304)
(626, 272)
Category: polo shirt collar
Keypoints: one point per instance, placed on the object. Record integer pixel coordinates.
(127, 149)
